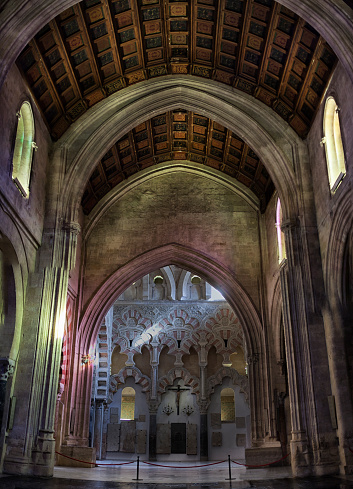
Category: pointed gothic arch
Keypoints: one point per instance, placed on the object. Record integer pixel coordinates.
(186, 258)
(276, 144)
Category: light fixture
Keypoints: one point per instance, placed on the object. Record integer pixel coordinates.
(168, 410)
(87, 359)
(188, 410)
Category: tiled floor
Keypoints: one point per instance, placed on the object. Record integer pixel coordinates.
(176, 476)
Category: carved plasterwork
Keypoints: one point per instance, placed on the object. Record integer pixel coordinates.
(237, 379)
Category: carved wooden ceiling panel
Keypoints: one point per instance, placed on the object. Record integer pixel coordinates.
(178, 135)
(98, 47)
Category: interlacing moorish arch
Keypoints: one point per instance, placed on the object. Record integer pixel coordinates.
(179, 373)
(236, 378)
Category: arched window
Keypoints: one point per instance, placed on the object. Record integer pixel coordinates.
(227, 405)
(333, 143)
(24, 145)
(158, 280)
(280, 234)
(127, 404)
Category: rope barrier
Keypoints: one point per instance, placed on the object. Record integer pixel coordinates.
(76, 459)
(173, 466)
(92, 463)
(122, 463)
(262, 465)
(181, 467)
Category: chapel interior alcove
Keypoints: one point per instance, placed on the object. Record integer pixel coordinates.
(148, 351)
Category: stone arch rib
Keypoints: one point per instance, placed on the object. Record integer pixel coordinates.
(340, 229)
(276, 144)
(184, 257)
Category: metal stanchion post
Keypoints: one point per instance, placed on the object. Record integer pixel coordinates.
(137, 470)
(230, 471)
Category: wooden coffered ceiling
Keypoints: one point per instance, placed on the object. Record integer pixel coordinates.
(98, 47)
(178, 135)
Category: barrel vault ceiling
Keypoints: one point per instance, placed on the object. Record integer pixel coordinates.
(98, 47)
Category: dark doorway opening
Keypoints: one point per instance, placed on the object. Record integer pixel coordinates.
(178, 437)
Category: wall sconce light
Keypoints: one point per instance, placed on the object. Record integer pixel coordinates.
(168, 410)
(188, 410)
(87, 359)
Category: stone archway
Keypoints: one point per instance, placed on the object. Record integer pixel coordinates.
(280, 149)
(215, 274)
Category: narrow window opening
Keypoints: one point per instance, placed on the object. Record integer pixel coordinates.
(227, 406)
(280, 234)
(23, 151)
(127, 404)
(336, 166)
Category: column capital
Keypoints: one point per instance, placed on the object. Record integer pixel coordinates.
(203, 405)
(153, 406)
(253, 358)
(288, 224)
(71, 226)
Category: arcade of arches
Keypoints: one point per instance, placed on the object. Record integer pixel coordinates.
(176, 232)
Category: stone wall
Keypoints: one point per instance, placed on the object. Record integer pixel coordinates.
(176, 208)
(28, 212)
(326, 203)
(21, 227)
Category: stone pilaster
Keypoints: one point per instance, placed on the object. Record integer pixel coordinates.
(313, 443)
(338, 336)
(31, 443)
(256, 396)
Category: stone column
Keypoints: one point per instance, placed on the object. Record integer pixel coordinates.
(337, 338)
(98, 429)
(154, 369)
(153, 403)
(81, 401)
(153, 408)
(313, 442)
(31, 442)
(204, 402)
(299, 441)
(203, 406)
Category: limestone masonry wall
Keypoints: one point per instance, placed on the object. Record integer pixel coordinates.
(176, 208)
(326, 203)
(30, 211)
